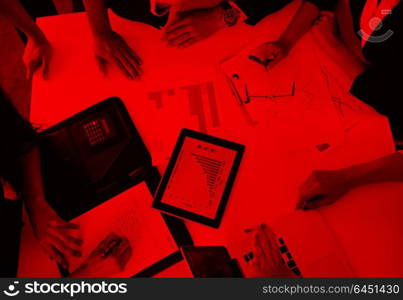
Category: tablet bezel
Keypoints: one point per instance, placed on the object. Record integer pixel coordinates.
(215, 222)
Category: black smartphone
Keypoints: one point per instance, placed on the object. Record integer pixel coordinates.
(210, 262)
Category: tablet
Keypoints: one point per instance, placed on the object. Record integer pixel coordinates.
(198, 180)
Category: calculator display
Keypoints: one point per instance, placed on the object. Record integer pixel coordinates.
(97, 131)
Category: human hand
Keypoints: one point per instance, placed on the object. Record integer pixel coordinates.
(325, 31)
(112, 48)
(326, 24)
(184, 28)
(269, 54)
(37, 54)
(108, 258)
(266, 261)
(322, 188)
(56, 236)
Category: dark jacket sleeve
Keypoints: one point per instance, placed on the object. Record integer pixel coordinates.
(324, 4)
(381, 89)
(256, 10)
(381, 84)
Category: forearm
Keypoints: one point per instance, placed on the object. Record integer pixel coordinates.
(16, 14)
(32, 188)
(64, 6)
(385, 169)
(98, 18)
(300, 24)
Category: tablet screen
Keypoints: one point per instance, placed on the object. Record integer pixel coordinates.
(199, 177)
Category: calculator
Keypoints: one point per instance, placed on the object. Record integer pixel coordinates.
(97, 131)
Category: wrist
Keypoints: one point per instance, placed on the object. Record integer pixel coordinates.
(102, 34)
(285, 44)
(37, 207)
(351, 177)
(38, 37)
(229, 15)
(80, 272)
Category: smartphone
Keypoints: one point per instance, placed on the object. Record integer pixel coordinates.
(210, 262)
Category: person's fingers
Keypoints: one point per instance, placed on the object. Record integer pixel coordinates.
(309, 190)
(261, 61)
(54, 254)
(179, 39)
(62, 244)
(179, 25)
(181, 32)
(118, 250)
(66, 237)
(173, 17)
(104, 245)
(64, 225)
(134, 62)
(63, 230)
(124, 47)
(134, 56)
(122, 67)
(45, 66)
(188, 43)
(48, 250)
(122, 253)
(260, 253)
(102, 65)
(125, 257)
(274, 61)
(31, 67)
(318, 202)
(107, 240)
(264, 238)
(271, 239)
(59, 257)
(129, 64)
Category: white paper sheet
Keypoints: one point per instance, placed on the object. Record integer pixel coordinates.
(130, 215)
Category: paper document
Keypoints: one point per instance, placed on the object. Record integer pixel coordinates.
(130, 215)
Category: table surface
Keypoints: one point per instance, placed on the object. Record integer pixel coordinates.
(279, 155)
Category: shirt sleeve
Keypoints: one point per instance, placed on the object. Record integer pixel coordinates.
(323, 4)
(380, 88)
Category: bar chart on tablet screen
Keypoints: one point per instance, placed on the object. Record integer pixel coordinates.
(199, 177)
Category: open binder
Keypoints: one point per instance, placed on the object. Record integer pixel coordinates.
(91, 157)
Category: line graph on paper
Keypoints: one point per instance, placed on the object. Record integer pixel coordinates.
(350, 110)
(287, 92)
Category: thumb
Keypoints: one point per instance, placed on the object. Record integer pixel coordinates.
(31, 67)
(172, 17)
(102, 66)
(275, 58)
(45, 68)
